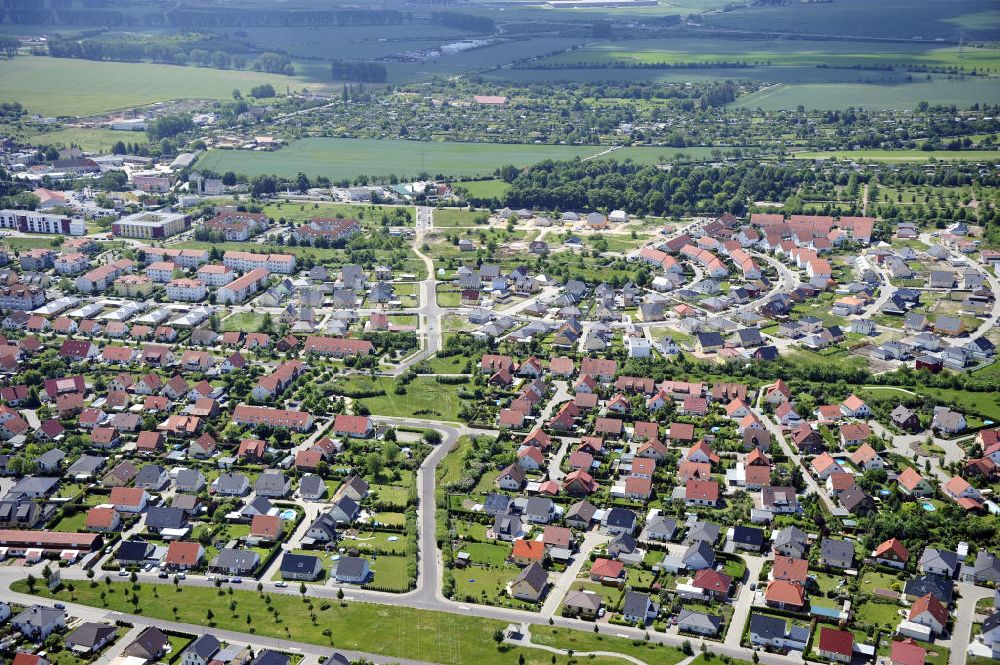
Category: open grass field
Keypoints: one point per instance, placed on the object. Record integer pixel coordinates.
(245, 321)
(565, 638)
(424, 397)
(484, 188)
(58, 87)
(780, 52)
(876, 94)
(438, 637)
(97, 140)
(345, 159)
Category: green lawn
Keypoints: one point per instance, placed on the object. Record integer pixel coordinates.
(439, 637)
(97, 140)
(378, 540)
(61, 86)
(245, 321)
(611, 594)
(484, 188)
(72, 523)
(564, 638)
(390, 572)
(484, 585)
(42, 241)
(876, 580)
(448, 365)
(882, 615)
(448, 296)
(449, 217)
(487, 554)
(424, 397)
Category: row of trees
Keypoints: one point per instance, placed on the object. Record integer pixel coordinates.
(201, 50)
(367, 72)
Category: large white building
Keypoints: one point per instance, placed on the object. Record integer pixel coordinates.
(245, 261)
(191, 290)
(215, 275)
(150, 225)
(240, 289)
(29, 221)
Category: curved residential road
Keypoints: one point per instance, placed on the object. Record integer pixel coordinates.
(427, 595)
(429, 312)
(992, 320)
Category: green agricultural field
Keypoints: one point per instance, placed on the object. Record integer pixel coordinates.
(439, 637)
(904, 19)
(779, 53)
(57, 87)
(345, 159)
(875, 95)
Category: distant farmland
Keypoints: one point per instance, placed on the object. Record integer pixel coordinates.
(60, 86)
(345, 159)
(786, 52)
(941, 90)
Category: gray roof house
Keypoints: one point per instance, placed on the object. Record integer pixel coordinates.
(986, 568)
(699, 556)
(939, 562)
(85, 467)
(189, 480)
(50, 460)
(152, 477)
(345, 510)
(689, 621)
(539, 509)
(37, 622)
(353, 570)
(201, 650)
(231, 484)
(300, 567)
(836, 553)
(159, 518)
(33, 487)
(659, 527)
(791, 541)
(702, 532)
(323, 529)
(580, 514)
(530, 583)
(234, 561)
(496, 504)
(637, 607)
(272, 484)
(506, 527)
(90, 637)
(619, 520)
(774, 632)
(312, 487)
(151, 644)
